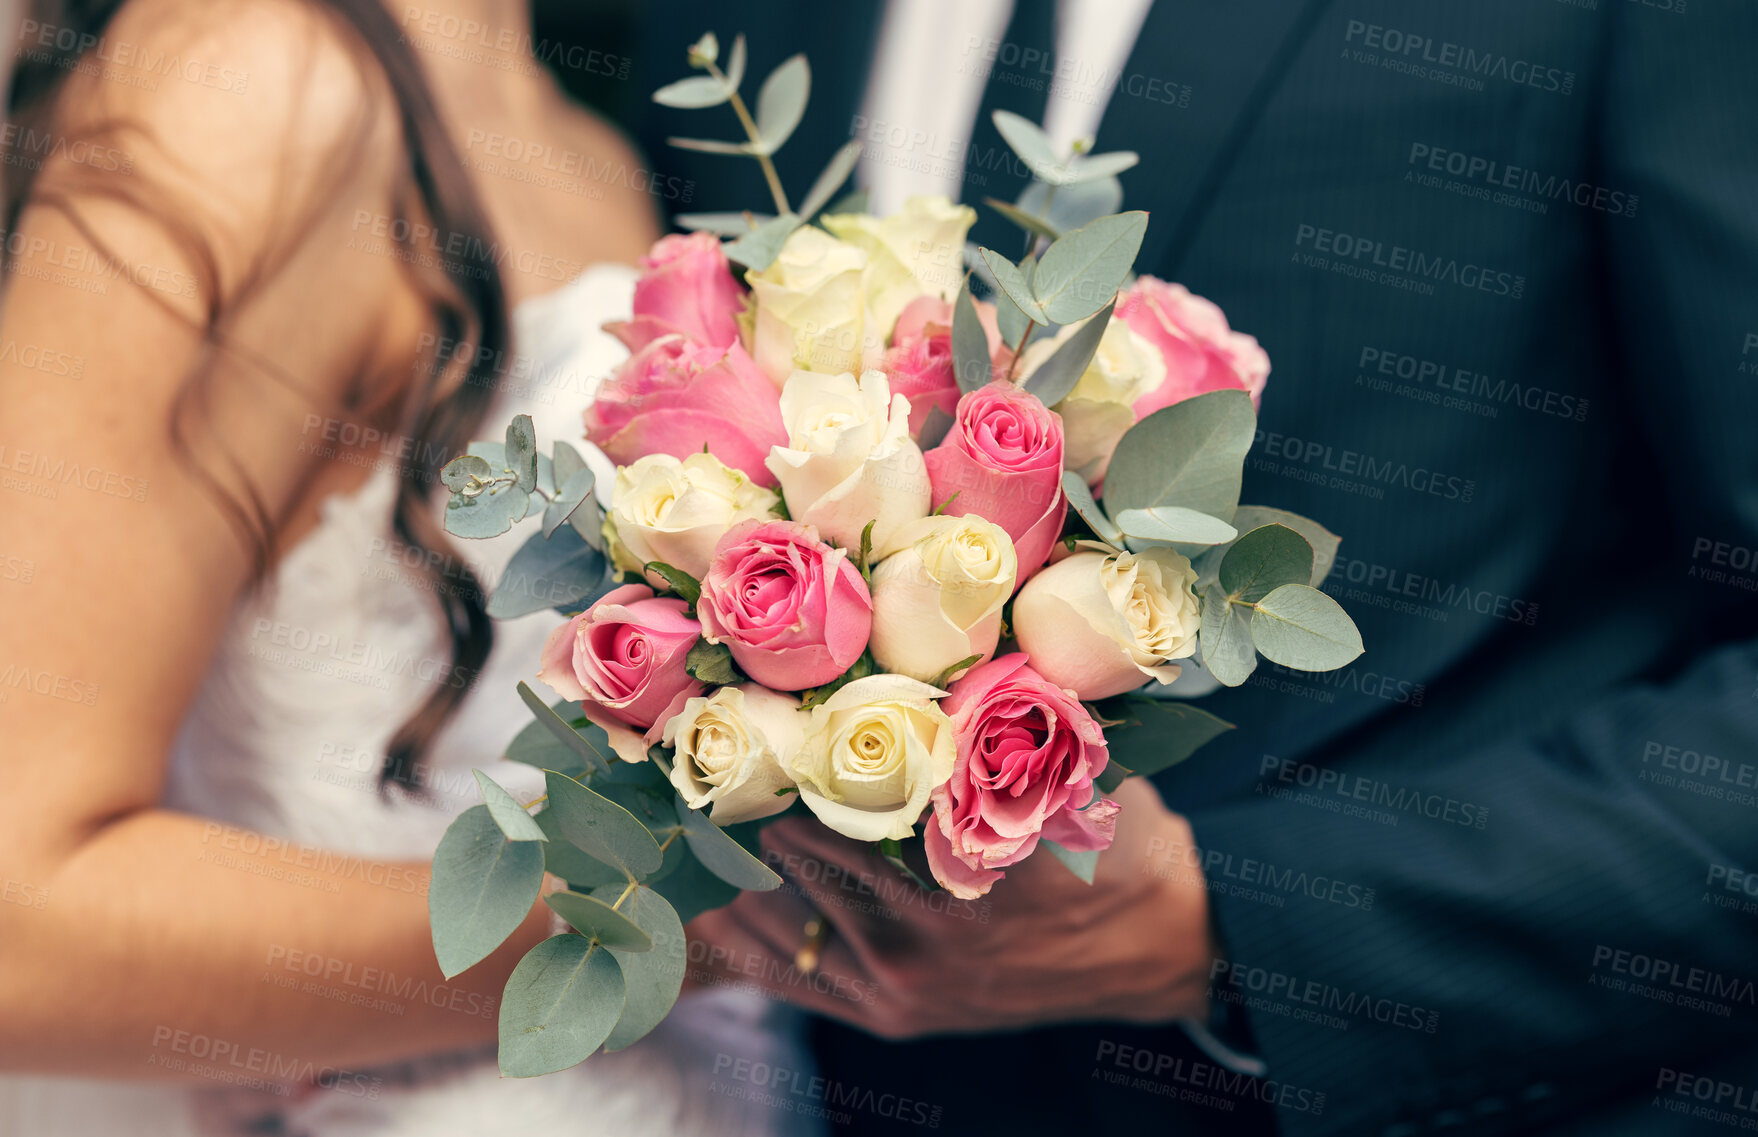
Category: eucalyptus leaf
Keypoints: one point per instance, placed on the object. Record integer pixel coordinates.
(1014, 285)
(722, 224)
(1175, 524)
(758, 249)
(1081, 864)
(536, 745)
(723, 856)
(600, 827)
(735, 63)
(1190, 454)
(652, 978)
(841, 165)
(481, 890)
(565, 462)
(970, 344)
(1263, 560)
(1057, 376)
(855, 201)
(507, 813)
(1029, 141)
(557, 571)
(694, 93)
(1072, 206)
(559, 1005)
(522, 451)
(598, 920)
(1092, 167)
(488, 514)
(781, 102)
(1157, 734)
(1081, 498)
(582, 745)
(574, 493)
(1324, 542)
(690, 888)
(1033, 225)
(464, 471)
(1300, 627)
(1225, 637)
(1081, 271)
(934, 428)
(577, 868)
(712, 146)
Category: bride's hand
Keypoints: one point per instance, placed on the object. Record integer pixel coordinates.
(1042, 947)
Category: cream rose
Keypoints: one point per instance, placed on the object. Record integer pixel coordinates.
(874, 752)
(1102, 624)
(916, 251)
(849, 458)
(732, 750)
(810, 308)
(663, 509)
(1102, 405)
(938, 599)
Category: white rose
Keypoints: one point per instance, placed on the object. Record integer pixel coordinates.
(1102, 624)
(874, 752)
(1101, 407)
(849, 458)
(664, 509)
(810, 308)
(916, 251)
(732, 750)
(938, 599)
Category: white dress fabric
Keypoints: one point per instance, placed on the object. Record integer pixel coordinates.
(315, 673)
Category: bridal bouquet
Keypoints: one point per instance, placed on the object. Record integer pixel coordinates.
(874, 550)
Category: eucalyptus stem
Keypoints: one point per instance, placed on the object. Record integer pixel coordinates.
(1019, 350)
(627, 892)
(750, 125)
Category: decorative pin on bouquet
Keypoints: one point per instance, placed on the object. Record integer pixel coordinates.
(875, 550)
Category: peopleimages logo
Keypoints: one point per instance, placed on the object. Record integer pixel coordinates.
(1370, 259)
(1415, 54)
(1519, 179)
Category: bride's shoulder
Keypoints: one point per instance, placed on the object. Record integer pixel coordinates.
(244, 118)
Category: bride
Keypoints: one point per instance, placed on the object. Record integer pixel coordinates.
(270, 264)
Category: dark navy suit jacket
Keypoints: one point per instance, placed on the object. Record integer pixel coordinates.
(1504, 257)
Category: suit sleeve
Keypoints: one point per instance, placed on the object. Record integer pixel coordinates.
(1585, 942)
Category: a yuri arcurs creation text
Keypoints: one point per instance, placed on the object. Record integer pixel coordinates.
(875, 549)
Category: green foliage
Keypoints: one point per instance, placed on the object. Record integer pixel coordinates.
(1190, 454)
(1057, 375)
(678, 581)
(507, 813)
(653, 978)
(561, 570)
(601, 828)
(1074, 487)
(1081, 271)
(1225, 637)
(1300, 627)
(1265, 559)
(970, 346)
(712, 663)
(559, 1005)
(583, 740)
(1081, 864)
(598, 920)
(1173, 524)
(723, 856)
(1155, 735)
(483, 886)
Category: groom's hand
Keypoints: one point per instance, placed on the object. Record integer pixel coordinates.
(1042, 947)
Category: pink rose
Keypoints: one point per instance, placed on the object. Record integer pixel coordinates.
(687, 289)
(1003, 458)
(1201, 352)
(794, 611)
(675, 397)
(919, 362)
(1027, 756)
(623, 659)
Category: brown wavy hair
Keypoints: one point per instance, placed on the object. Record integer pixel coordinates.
(441, 408)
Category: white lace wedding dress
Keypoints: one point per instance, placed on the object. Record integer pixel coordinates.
(286, 738)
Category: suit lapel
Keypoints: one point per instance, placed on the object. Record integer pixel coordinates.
(1187, 106)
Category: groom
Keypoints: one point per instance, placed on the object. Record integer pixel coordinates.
(1497, 875)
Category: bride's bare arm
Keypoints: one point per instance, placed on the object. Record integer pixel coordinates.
(132, 937)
